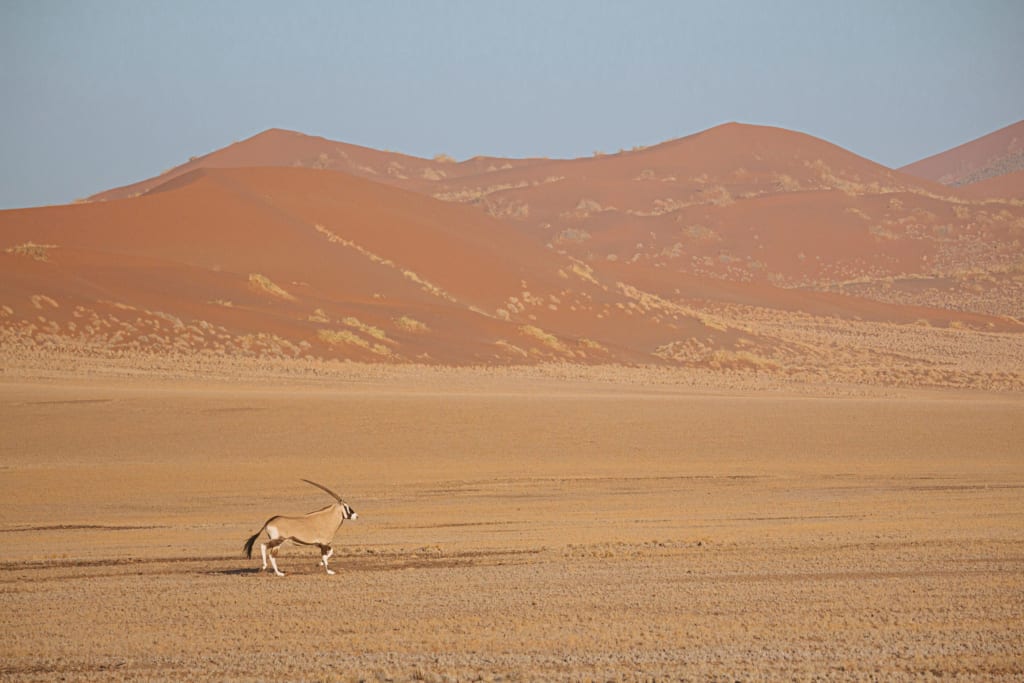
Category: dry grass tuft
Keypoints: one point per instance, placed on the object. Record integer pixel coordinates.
(591, 345)
(427, 285)
(411, 325)
(319, 316)
(582, 271)
(39, 252)
(724, 359)
(349, 338)
(511, 348)
(262, 283)
(40, 301)
(369, 330)
(547, 339)
(408, 274)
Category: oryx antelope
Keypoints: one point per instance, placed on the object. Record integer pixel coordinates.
(316, 528)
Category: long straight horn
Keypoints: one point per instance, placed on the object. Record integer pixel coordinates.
(320, 486)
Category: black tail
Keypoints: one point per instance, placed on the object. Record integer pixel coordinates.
(248, 544)
(252, 539)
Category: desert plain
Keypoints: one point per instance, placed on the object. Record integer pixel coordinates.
(511, 527)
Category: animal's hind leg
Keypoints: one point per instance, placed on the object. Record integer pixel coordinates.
(325, 552)
(272, 547)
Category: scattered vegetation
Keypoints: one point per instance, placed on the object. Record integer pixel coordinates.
(39, 252)
(411, 325)
(591, 345)
(41, 301)
(349, 338)
(509, 347)
(424, 284)
(574, 235)
(547, 339)
(502, 207)
(263, 284)
(475, 194)
(368, 330)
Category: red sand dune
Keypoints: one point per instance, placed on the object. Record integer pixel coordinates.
(995, 154)
(1006, 186)
(742, 159)
(702, 204)
(641, 256)
(277, 147)
(748, 203)
(322, 257)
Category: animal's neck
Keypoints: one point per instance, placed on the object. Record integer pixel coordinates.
(338, 512)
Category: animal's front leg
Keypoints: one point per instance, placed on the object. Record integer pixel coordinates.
(325, 552)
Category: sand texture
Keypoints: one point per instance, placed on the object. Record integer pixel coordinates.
(510, 529)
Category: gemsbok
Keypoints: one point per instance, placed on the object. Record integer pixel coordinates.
(316, 528)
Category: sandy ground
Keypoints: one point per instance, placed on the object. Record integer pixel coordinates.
(521, 530)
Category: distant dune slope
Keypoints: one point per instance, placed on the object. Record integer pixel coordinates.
(992, 155)
(1006, 186)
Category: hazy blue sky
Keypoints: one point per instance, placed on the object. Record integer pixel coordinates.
(98, 93)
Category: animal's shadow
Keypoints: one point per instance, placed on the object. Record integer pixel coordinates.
(237, 572)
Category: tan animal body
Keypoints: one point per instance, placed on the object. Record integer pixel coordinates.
(315, 528)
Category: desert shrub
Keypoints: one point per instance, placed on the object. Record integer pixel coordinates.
(547, 339)
(40, 300)
(347, 337)
(39, 252)
(411, 325)
(264, 284)
(510, 347)
(574, 235)
(786, 183)
(718, 196)
(366, 329)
